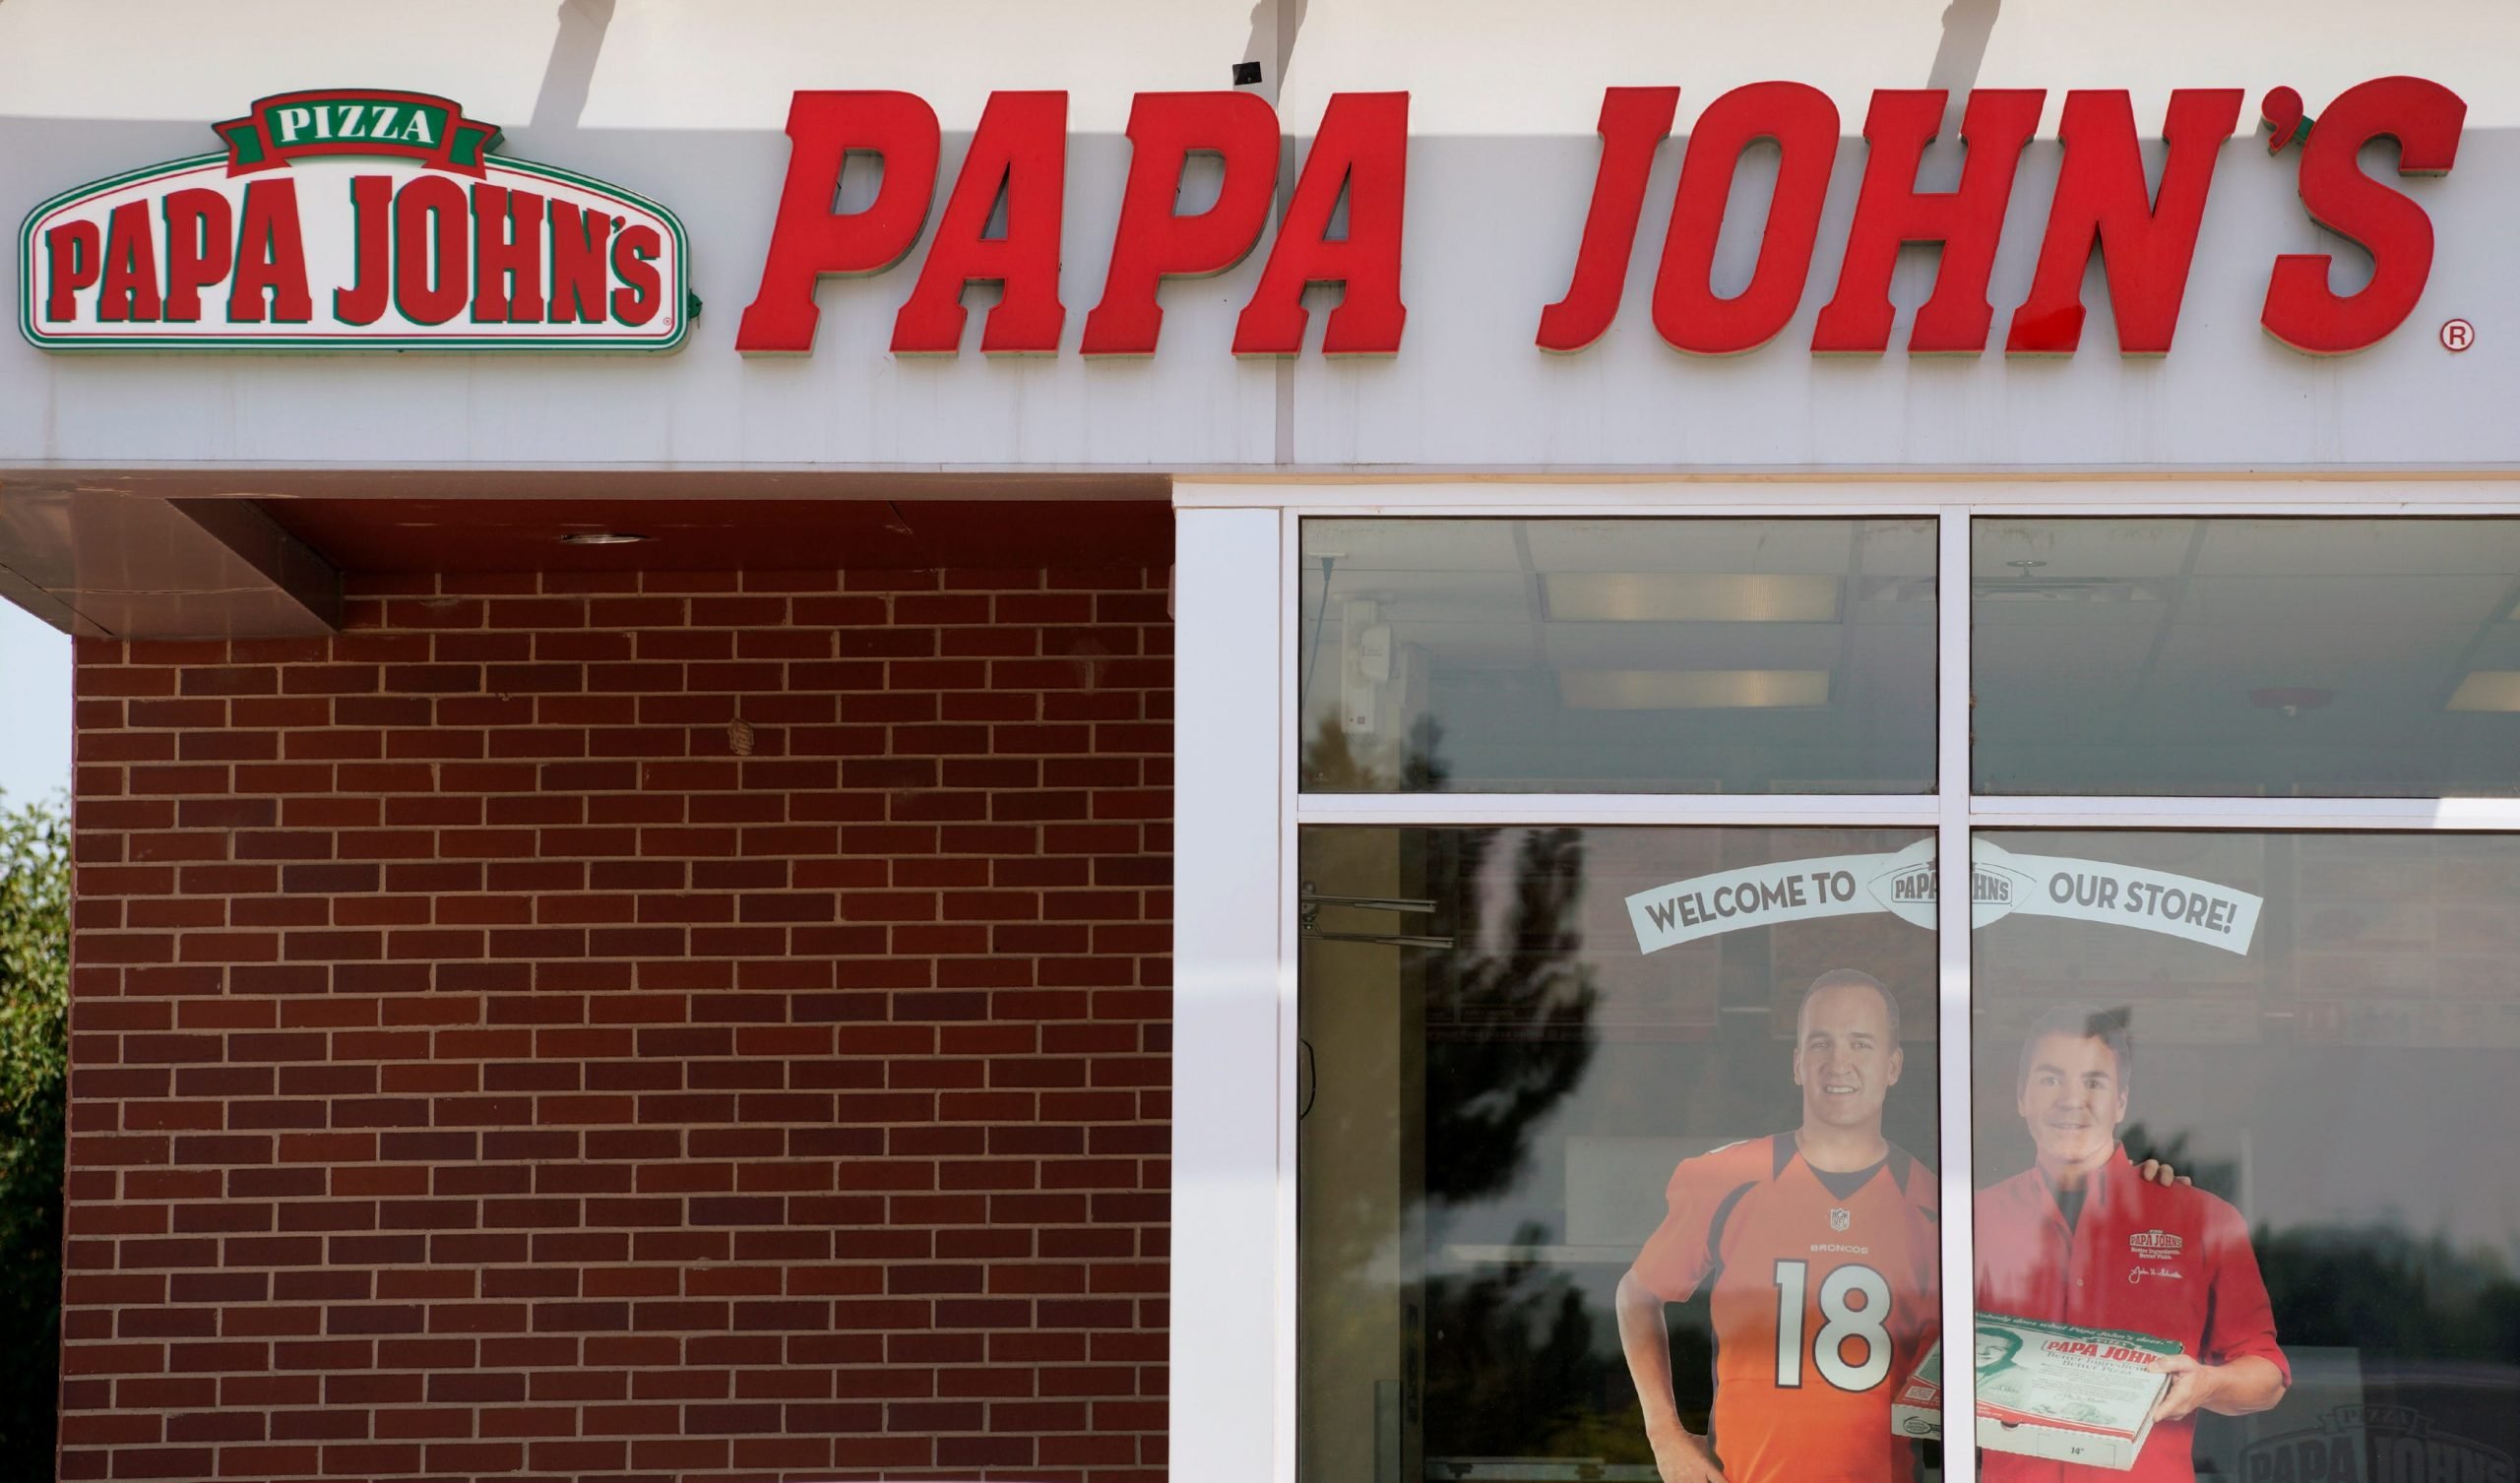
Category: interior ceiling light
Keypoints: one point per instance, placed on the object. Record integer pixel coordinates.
(2487, 690)
(1691, 689)
(600, 539)
(1689, 597)
(1899, 590)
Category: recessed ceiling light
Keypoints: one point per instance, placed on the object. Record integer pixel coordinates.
(2487, 690)
(1691, 597)
(2291, 700)
(1691, 689)
(600, 539)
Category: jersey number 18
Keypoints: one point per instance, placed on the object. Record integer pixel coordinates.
(1841, 1323)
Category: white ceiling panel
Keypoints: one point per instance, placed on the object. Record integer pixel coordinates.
(2310, 648)
(2501, 649)
(1413, 545)
(1786, 546)
(2079, 549)
(2011, 655)
(1482, 645)
(2264, 604)
(2076, 711)
(1904, 548)
(2354, 547)
(1436, 596)
(2075, 614)
(1693, 646)
(2381, 698)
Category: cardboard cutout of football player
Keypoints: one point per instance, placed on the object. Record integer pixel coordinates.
(1819, 1250)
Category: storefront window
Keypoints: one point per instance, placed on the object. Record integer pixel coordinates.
(1608, 1132)
(2324, 1031)
(2240, 1130)
(2247, 658)
(1594, 656)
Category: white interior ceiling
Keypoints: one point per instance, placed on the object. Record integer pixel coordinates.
(2142, 637)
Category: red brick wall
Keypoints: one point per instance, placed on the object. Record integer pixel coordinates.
(480, 1070)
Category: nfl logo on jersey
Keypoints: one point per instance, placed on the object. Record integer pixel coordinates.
(1840, 1218)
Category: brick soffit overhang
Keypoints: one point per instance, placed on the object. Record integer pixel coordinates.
(194, 554)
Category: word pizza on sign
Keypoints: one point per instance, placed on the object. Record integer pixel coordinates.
(353, 219)
(1012, 179)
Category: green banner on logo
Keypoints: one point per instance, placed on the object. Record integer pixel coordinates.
(372, 121)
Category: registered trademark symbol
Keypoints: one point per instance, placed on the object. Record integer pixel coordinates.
(2457, 335)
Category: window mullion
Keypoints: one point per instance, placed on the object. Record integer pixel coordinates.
(2339, 815)
(1698, 810)
(1952, 1040)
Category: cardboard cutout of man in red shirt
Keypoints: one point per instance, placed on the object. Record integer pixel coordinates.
(2082, 1238)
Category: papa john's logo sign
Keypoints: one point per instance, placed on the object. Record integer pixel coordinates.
(352, 219)
(2372, 1442)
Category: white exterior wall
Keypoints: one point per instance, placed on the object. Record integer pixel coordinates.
(685, 103)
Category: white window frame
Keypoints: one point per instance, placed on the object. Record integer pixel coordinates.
(1238, 584)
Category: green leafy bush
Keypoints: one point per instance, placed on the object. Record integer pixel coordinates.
(34, 985)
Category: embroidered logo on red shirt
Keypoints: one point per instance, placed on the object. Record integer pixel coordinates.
(2156, 1244)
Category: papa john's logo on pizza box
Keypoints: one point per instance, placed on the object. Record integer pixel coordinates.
(353, 218)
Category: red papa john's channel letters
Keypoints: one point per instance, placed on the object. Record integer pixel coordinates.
(2145, 234)
(1019, 148)
(2146, 237)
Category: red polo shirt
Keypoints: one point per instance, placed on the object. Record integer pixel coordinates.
(2172, 1262)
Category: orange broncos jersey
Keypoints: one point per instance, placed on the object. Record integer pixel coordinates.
(1823, 1292)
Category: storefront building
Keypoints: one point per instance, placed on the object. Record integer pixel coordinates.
(1216, 742)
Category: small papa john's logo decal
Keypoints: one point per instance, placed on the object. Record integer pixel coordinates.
(2156, 1244)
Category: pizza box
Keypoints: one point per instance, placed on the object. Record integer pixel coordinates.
(2059, 1390)
(1917, 1410)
